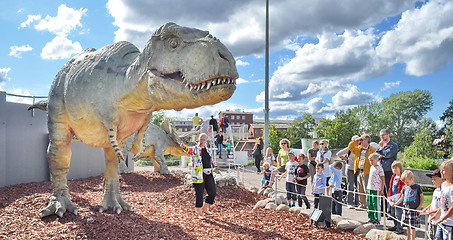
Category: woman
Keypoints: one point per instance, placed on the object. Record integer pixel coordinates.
(282, 157)
(257, 154)
(312, 153)
(324, 155)
(202, 177)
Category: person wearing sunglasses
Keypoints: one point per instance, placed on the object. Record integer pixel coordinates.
(323, 156)
(282, 158)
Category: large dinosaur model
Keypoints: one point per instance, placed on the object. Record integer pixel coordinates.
(158, 142)
(104, 96)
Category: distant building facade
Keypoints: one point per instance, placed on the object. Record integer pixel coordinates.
(182, 125)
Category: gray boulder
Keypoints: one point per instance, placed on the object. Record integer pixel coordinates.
(348, 224)
(282, 207)
(260, 204)
(376, 234)
(271, 206)
(364, 229)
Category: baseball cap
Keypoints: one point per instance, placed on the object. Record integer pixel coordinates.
(436, 173)
(291, 152)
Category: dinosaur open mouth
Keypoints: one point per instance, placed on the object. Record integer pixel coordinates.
(206, 83)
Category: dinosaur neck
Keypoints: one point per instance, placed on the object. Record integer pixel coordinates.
(138, 99)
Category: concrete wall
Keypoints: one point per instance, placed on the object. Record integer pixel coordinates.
(23, 148)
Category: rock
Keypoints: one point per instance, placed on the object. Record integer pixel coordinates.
(271, 206)
(261, 191)
(267, 191)
(364, 229)
(348, 224)
(295, 209)
(90, 219)
(281, 199)
(253, 189)
(306, 212)
(335, 219)
(272, 200)
(282, 207)
(179, 172)
(376, 234)
(260, 204)
(224, 180)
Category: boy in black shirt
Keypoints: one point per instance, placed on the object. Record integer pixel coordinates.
(301, 175)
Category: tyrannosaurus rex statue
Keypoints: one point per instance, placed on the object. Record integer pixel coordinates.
(104, 96)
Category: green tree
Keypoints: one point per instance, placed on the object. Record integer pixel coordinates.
(402, 111)
(158, 117)
(321, 129)
(339, 133)
(274, 139)
(448, 114)
(300, 128)
(422, 146)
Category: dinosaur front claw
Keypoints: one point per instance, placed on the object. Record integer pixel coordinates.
(59, 204)
(137, 157)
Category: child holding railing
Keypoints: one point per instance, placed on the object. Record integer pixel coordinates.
(445, 221)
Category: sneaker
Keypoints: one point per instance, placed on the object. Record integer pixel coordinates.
(392, 228)
(350, 207)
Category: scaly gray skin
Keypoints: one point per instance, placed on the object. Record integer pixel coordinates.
(158, 142)
(104, 96)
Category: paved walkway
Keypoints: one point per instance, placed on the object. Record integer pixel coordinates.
(250, 178)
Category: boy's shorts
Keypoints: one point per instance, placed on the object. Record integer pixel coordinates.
(443, 231)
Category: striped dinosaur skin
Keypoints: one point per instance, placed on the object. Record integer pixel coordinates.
(103, 96)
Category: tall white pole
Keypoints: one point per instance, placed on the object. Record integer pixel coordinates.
(266, 82)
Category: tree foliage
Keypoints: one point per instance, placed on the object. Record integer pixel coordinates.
(300, 128)
(422, 146)
(158, 117)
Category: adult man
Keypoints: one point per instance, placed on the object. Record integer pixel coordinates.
(388, 152)
(214, 125)
(196, 120)
(362, 164)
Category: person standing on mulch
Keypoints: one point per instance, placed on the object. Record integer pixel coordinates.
(202, 177)
(258, 154)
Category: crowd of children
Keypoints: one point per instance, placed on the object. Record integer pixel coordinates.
(405, 196)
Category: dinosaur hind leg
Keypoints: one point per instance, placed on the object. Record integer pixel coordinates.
(112, 195)
(59, 156)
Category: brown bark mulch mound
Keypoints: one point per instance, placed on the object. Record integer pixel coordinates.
(163, 209)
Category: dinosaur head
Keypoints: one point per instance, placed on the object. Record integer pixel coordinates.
(188, 68)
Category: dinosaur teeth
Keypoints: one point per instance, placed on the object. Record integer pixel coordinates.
(213, 82)
(198, 87)
(208, 85)
(187, 84)
(190, 87)
(203, 84)
(219, 81)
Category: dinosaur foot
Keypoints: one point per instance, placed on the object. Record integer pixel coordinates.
(59, 204)
(137, 157)
(112, 197)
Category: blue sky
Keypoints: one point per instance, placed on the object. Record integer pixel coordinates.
(325, 56)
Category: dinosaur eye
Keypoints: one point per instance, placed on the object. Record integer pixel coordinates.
(174, 42)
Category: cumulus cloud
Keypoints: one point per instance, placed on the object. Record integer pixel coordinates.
(67, 19)
(30, 20)
(352, 96)
(60, 48)
(389, 85)
(4, 75)
(17, 51)
(423, 39)
(239, 62)
(241, 80)
(135, 19)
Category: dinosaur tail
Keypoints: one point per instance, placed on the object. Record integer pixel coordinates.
(39, 105)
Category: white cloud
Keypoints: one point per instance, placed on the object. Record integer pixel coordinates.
(239, 62)
(423, 39)
(352, 96)
(60, 48)
(67, 19)
(136, 20)
(4, 75)
(241, 80)
(17, 51)
(19, 91)
(389, 85)
(30, 19)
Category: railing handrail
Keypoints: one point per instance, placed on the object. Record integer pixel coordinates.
(25, 96)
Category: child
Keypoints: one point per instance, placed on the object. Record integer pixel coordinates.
(435, 203)
(319, 183)
(266, 175)
(335, 185)
(396, 185)
(446, 196)
(269, 158)
(228, 147)
(412, 198)
(374, 188)
(290, 169)
(302, 173)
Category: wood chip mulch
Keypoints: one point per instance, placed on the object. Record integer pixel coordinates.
(163, 209)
